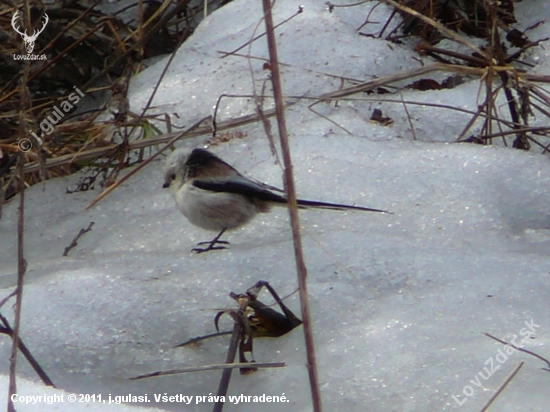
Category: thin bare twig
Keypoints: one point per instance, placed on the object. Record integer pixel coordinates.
(292, 207)
(12, 294)
(21, 269)
(214, 367)
(21, 263)
(502, 387)
(422, 70)
(75, 240)
(259, 36)
(408, 116)
(521, 350)
(198, 339)
(7, 329)
(508, 132)
(230, 358)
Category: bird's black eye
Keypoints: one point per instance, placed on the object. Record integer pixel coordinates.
(172, 176)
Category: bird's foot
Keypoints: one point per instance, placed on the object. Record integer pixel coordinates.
(212, 242)
(211, 246)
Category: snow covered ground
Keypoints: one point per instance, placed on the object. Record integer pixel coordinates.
(399, 302)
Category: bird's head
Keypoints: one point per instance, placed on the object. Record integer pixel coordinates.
(176, 169)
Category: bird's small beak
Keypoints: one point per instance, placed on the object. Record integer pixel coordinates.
(165, 185)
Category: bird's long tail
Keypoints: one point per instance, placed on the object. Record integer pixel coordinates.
(304, 204)
(243, 186)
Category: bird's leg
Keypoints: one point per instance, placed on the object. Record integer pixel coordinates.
(212, 243)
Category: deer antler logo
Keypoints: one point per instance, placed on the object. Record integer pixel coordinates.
(29, 40)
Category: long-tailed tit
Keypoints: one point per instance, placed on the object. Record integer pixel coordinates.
(213, 195)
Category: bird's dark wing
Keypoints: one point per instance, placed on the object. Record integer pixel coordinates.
(241, 186)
